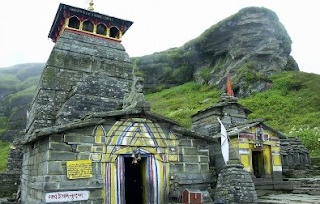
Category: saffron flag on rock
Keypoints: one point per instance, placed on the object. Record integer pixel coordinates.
(224, 143)
(229, 86)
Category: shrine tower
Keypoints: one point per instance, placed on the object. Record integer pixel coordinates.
(88, 70)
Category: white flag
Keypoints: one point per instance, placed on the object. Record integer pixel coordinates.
(224, 143)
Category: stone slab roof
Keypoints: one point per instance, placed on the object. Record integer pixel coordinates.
(234, 131)
(224, 104)
(99, 118)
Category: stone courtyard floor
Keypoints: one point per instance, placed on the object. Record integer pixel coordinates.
(289, 199)
(308, 193)
(278, 199)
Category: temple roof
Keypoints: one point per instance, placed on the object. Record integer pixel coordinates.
(65, 11)
(99, 118)
(225, 100)
(243, 127)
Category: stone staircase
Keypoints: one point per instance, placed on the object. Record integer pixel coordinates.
(310, 186)
(306, 191)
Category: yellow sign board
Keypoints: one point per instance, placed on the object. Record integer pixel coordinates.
(79, 169)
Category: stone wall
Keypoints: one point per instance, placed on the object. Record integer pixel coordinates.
(15, 159)
(44, 170)
(294, 156)
(9, 183)
(192, 171)
(10, 180)
(187, 158)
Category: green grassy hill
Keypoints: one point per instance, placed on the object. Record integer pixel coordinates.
(4, 150)
(291, 106)
(17, 88)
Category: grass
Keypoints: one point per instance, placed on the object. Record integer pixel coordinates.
(309, 137)
(180, 102)
(291, 106)
(4, 151)
(293, 102)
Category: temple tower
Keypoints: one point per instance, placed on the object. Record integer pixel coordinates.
(88, 70)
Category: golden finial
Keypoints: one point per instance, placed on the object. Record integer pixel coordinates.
(91, 6)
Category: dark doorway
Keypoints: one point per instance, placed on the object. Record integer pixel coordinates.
(257, 163)
(133, 181)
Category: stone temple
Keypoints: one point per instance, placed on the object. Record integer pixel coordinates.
(91, 138)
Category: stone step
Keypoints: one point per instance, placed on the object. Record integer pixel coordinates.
(310, 185)
(289, 198)
(266, 201)
(309, 191)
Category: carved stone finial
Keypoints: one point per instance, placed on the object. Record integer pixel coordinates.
(227, 98)
(91, 6)
(135, 99)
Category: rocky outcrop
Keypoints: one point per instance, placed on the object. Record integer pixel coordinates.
(251, 45)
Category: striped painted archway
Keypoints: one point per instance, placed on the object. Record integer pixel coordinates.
(147, 137)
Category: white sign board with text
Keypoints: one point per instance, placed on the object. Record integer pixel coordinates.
(67, 196)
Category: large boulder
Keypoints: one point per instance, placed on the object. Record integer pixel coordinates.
(251, 44)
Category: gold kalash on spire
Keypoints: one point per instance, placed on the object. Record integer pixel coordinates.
(91, 6)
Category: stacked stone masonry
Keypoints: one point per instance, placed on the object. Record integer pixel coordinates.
(9, 183)
(81, 75)
(294, 155)
(192, 171)
(235, 186)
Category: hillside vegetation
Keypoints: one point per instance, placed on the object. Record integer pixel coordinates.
(291, 106)
(4, 150)
(17, 88)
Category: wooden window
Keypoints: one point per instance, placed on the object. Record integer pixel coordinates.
(74, 22)
(114, 32)
(101, 29)
(87, 26)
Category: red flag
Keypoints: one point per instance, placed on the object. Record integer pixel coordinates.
(229, 87)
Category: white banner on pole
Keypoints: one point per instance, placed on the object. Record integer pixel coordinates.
(224, 143)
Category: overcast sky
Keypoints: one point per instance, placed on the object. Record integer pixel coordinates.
(158, 25)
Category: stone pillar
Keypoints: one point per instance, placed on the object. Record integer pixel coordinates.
(235, 185)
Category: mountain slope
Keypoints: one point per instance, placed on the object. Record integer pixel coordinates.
(291, 105)
(17, 88)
